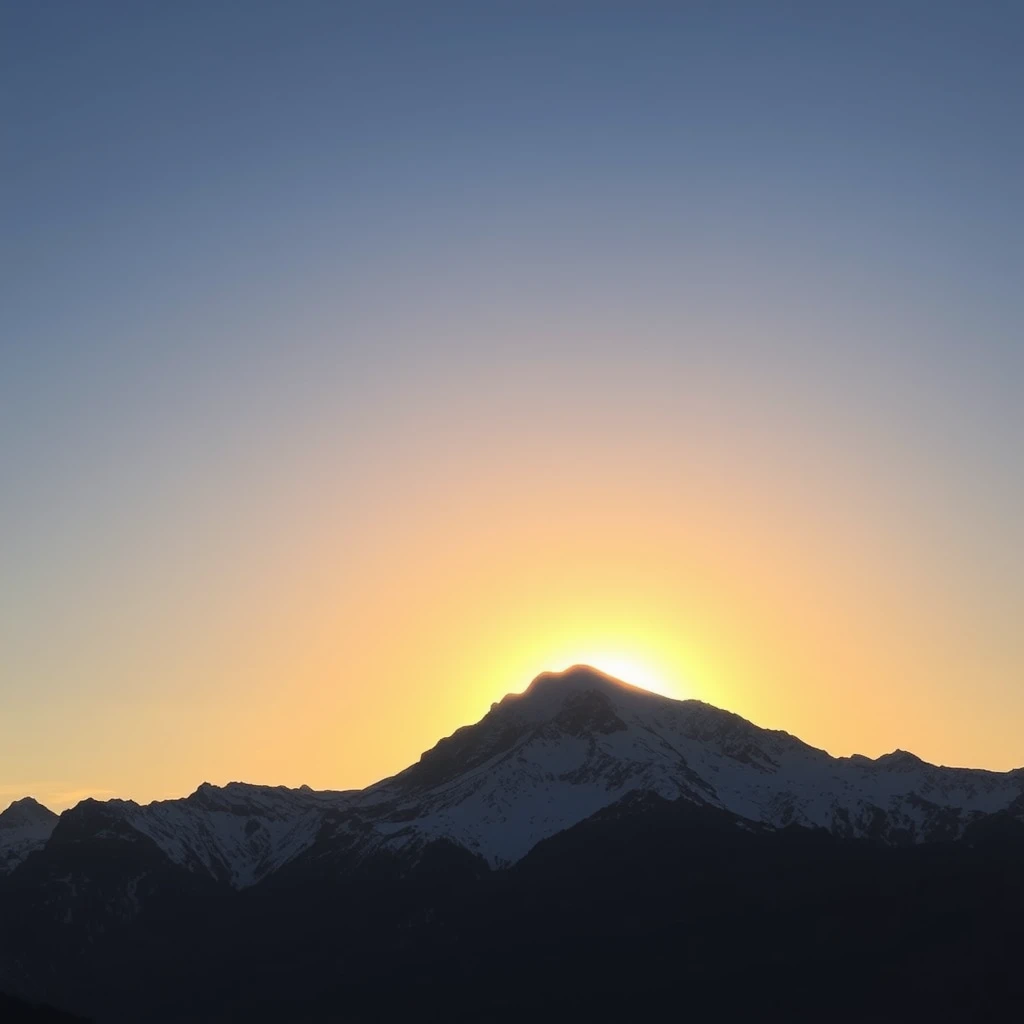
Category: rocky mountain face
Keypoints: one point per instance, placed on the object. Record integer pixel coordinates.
(571, 745)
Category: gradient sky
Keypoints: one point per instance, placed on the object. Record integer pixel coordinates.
(360, 361)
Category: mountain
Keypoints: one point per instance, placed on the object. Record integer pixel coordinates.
(571, 745)
(24, 826)
(576, 742)
(237, 834)
(579, 824)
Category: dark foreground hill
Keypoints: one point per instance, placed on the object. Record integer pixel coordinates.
(18, 1011)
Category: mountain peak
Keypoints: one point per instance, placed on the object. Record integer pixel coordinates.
(26, 802)
(24, 826)
(26, 811)
(555, 686)
(576, 677)
(576, 699)
(900, 759)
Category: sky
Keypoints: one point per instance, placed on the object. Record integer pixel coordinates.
(360, 361)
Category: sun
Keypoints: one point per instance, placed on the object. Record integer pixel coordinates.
(630, 669)
(650, 662)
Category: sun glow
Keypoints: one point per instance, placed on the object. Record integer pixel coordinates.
(631, 669)
(652, 656)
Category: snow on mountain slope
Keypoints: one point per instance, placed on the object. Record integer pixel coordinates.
(576, 742)
(24, 826)
(571, 745)
(237, 833)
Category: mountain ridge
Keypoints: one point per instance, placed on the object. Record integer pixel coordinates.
(570, 745)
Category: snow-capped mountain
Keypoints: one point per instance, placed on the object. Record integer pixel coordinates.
(235, 833)
(578, 741)
(24, 826)
(571, 745)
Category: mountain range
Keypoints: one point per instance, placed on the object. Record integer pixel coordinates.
(580, 776)
(573, 744)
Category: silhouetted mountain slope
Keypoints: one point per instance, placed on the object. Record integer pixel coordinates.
(17, 1011)
(656, 909)
(24, 826)
(651, 909)
(586, 851)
